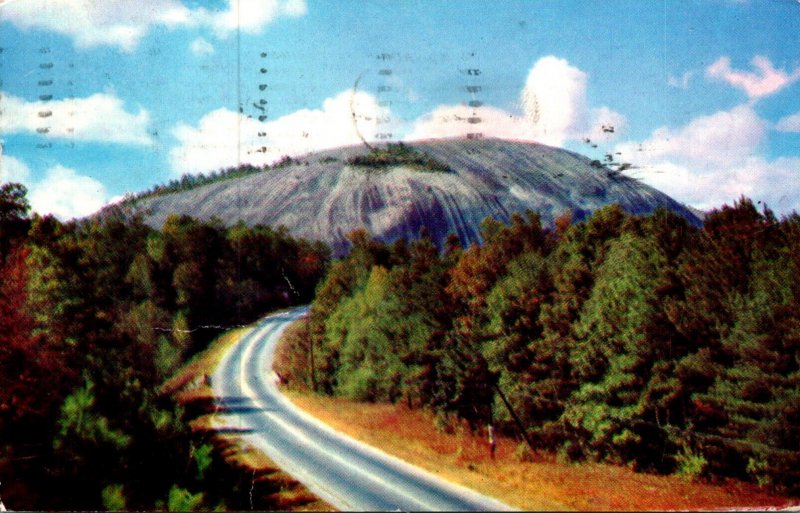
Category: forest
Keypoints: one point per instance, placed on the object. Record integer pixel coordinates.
(635, 340)
(94, 316)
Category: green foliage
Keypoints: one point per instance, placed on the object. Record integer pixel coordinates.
(636, 340)
(371, 344)
(691, 464)
(14, 221)
(13, 202)
(80, 423)
(94, 315)
(113, 497)
(203, 458)
(180, 499)
(399, 154)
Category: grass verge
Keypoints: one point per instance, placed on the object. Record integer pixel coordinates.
(270, 488)
(543, 483)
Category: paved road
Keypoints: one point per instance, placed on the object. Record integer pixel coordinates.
(348, 474)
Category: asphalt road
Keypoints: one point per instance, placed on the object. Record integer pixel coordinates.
(347, 474)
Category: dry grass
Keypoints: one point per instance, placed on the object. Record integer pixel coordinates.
(462, 457)
(292, 496)
(189, 388)
(187, 382)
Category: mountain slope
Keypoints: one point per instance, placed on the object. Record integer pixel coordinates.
(322, 197)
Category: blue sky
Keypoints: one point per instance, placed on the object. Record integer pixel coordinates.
(104, 98)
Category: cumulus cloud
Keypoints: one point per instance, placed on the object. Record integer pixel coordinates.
(715, 159)
(97, 118)
(713, 140)
(66, 194)
(123, 23)
(250, 16)
(13, 170)
(554, 110)
(120, 23)
(789, 123)
(554, 101)
(62, 191)
(460, 120)
(769, 181)
(201, 47)
(553, 105)
(223, 138)
(765, 81)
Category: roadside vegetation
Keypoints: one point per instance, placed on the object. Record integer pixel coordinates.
(94, 317)
(266, 486)
(530, 482)
(637, 341)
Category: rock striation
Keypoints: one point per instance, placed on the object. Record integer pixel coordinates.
(323, 197)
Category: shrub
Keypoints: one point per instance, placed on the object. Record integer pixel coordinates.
(114, 497)
(183, 500)
(399, 155)
(691, 464)
(523, 453)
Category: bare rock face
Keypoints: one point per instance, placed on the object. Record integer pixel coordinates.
(323, 197)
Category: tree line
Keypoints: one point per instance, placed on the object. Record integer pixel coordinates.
(636, 340)
(189, 181)
(94, 316)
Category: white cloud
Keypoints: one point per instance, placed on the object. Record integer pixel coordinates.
(13, 170)
(770, 181)
(714, 140)
(554, 109)
(123, 23)
(554, 97)
(97, 118)
(764, 82)
(714, 160)
(789, 123)
(201, 47)
(251, 16)
(62, 192)
(554, 101)
(66, 194)
(120, 23)
(459, 120)
(223, 138)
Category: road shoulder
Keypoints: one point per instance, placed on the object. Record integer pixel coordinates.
(193, 391)
(516, 477)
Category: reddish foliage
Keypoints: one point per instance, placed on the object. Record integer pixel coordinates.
(26, 362)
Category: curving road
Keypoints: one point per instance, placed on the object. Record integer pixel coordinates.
(347, 474)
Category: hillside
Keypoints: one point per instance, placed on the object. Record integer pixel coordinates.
(323, 197)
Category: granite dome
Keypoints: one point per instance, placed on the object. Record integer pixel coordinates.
(323, 196)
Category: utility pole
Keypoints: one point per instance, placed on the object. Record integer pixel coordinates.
(496, 386)
(514, 416)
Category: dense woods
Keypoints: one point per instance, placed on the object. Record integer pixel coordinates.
(627, 339)
(94, 315)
